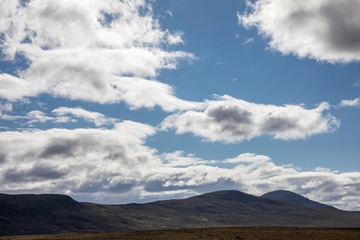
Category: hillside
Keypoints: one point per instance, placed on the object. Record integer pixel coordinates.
(291, 197)
(39, 214)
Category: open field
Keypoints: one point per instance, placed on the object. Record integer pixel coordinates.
(244, 233)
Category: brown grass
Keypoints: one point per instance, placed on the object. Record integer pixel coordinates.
(239, 233)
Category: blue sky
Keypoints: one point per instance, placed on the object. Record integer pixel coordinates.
(227, 65)
(133, 101)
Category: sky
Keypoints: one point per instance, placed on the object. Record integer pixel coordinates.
(134, 101)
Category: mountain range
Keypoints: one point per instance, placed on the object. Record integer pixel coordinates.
(51, 213)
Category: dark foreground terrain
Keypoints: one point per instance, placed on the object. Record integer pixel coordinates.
(245, 233)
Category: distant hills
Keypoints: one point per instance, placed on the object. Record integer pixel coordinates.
(46, 213)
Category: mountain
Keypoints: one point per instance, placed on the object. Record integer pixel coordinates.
(42, 214)
(291, 197)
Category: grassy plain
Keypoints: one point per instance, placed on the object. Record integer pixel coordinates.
(224, 233)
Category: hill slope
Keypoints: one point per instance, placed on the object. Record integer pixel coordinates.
(291, 197)
(38, 214)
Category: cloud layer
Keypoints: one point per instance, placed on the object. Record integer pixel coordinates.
(80, 160)
(100, 51)
(325, 30)
(231, 120)
(115, 165)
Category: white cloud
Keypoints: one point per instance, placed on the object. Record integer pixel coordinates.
(249, 40)
(350, 103)
(357, 84)
(37, 116)
(168, 12)
(248, 157)
(97, 118)
(32, 117)
(13, 88)
(80, 160)
(151, 93)
(114, 166)
(62, 115)
(86, 50)
(175, 38)
(325, 30)
(5, 107)
(177, 158)
(231, 120)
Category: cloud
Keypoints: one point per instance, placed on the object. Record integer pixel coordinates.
(36, 173)
(150, 93)
(89, 50)
(325, 30)
(254, 174)
(350, 103)
(5, 107)
(56, 158)
(35, 116)
(168, 12)
(231, 120)
(247, 157)
(62, 115)
(97, 118)
(357, 84)
(249, 40)
(177, 158)
(115, 166)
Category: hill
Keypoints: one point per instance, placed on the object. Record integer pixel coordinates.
(291, 197)
(40, 214)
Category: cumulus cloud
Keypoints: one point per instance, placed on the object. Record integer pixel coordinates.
(98, 119)
(231, 120)
(115, 166)
(350, 103)
(100, 51)
(325, 30)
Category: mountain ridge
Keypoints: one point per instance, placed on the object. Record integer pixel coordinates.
(43, 214)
